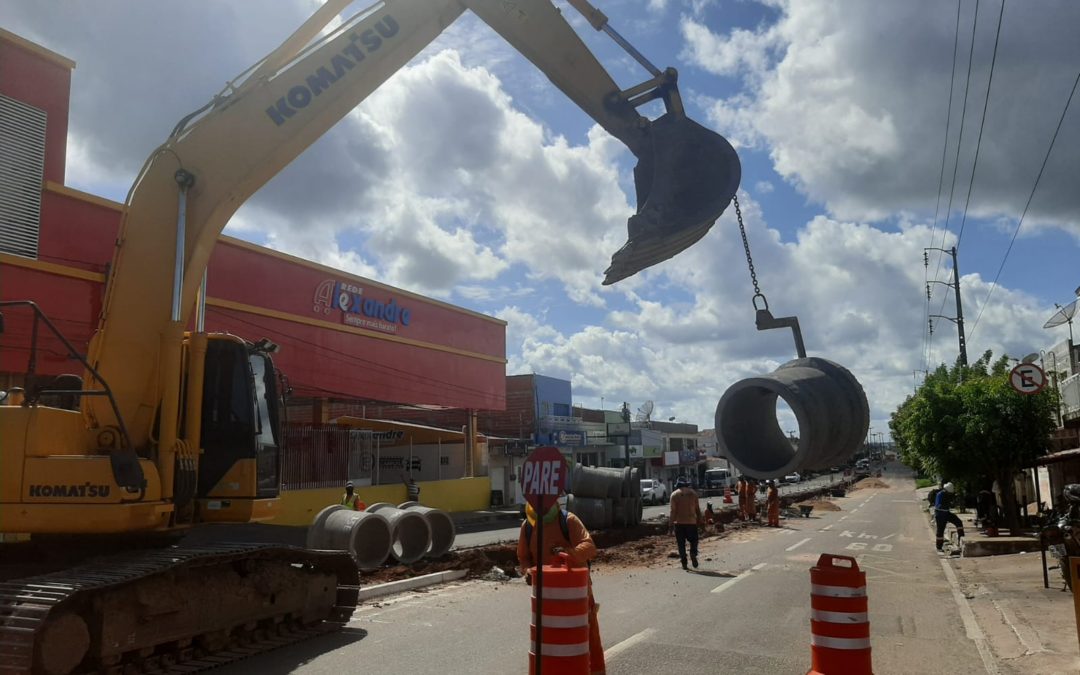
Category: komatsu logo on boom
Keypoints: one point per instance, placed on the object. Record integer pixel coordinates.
(325, 76)
(84, 490)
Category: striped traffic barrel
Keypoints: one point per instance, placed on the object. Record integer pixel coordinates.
(839, 625)
(564, 608)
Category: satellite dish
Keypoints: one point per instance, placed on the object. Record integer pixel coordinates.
(644, 412)
(1063, 315)
(1030, 358)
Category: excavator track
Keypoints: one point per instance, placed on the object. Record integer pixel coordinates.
(176, 610)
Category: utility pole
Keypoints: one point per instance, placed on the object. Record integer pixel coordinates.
(626, 438)
(959, 319)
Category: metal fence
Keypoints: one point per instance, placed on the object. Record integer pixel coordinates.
(325, 455)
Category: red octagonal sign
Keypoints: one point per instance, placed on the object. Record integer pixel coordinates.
(543, 478)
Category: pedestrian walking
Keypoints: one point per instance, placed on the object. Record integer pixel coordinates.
(943, 514)
(351, 500)
(563, 533)
(683, 520)
(772, 503)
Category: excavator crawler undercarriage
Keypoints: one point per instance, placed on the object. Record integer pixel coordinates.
(172, 610)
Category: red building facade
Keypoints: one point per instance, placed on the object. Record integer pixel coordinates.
(341, 336)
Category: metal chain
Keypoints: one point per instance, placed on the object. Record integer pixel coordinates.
(749, 258)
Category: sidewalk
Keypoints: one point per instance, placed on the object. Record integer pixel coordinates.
(1030, 629)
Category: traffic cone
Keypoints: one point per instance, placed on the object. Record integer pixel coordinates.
(727, 495)
(564, 646)
(839, 626)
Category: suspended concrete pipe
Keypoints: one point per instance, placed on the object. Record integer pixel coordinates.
(410, 534)
(442, 527)
(828, 402)
(363, 534)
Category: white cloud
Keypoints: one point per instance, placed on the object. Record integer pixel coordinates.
(763, 187)
(852, 105)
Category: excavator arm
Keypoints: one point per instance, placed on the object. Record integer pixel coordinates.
(217, 157)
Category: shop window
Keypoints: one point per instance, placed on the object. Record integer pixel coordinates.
(22, 169)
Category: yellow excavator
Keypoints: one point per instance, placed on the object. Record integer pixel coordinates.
(171, 427)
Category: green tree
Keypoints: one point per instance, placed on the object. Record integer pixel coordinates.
(968, 424)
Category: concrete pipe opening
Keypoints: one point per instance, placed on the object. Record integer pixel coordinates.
(363, 534)
(443, 531)
(409, 532)
(829, 406)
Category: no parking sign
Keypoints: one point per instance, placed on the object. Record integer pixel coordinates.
(1027, 378)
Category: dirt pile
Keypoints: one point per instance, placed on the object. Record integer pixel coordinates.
(870, 483)
(646, 545)
(820, 505)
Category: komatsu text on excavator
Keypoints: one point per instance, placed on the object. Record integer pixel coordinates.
(170, 427)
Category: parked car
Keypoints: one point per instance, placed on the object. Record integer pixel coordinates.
(654, 492)
(793, 477)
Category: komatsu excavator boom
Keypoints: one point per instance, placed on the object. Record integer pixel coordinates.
(164, 447)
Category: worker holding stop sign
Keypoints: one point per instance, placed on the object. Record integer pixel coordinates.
(544, 538)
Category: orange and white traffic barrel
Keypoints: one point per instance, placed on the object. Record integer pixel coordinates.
(564, 646)
(727, 495)
(839, 624)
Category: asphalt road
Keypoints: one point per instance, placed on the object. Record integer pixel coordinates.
(506, 531)
(745, 611)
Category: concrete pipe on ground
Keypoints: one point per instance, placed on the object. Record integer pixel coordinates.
(363, 534)
(410, 534)
(594, 513)
(596, 482)
(829, 405)
(442, 527)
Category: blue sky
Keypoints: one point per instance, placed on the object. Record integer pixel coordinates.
(470, 178)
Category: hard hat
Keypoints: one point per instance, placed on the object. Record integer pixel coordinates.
(348, 484)
(949, 487)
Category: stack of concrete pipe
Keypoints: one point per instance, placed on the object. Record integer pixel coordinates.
(367, 536)
(410, 533)
(442, 527)
(604, 498)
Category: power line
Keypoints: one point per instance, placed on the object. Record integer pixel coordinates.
(927, 333)
(982, 122)
(959, 144)
(1028, 204)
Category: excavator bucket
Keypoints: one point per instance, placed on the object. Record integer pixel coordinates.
(683, 183)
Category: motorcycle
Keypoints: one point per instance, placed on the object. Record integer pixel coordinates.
(1061, 536)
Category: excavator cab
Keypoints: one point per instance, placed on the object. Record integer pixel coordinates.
(685, 178)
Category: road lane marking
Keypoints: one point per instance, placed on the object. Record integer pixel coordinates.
(797, 544)
(628, 642)
(826, 528)
(728, 584)
(843, 517)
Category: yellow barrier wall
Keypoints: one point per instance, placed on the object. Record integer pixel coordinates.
(298, 507)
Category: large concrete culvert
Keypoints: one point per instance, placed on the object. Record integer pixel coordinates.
(829, 405)
(363, 534)
(410, 534)
(443, 531)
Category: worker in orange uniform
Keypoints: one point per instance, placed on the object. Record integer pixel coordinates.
(772, 502)
(351, 500)
(740, 488)
(563, 533)
(751, 499)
